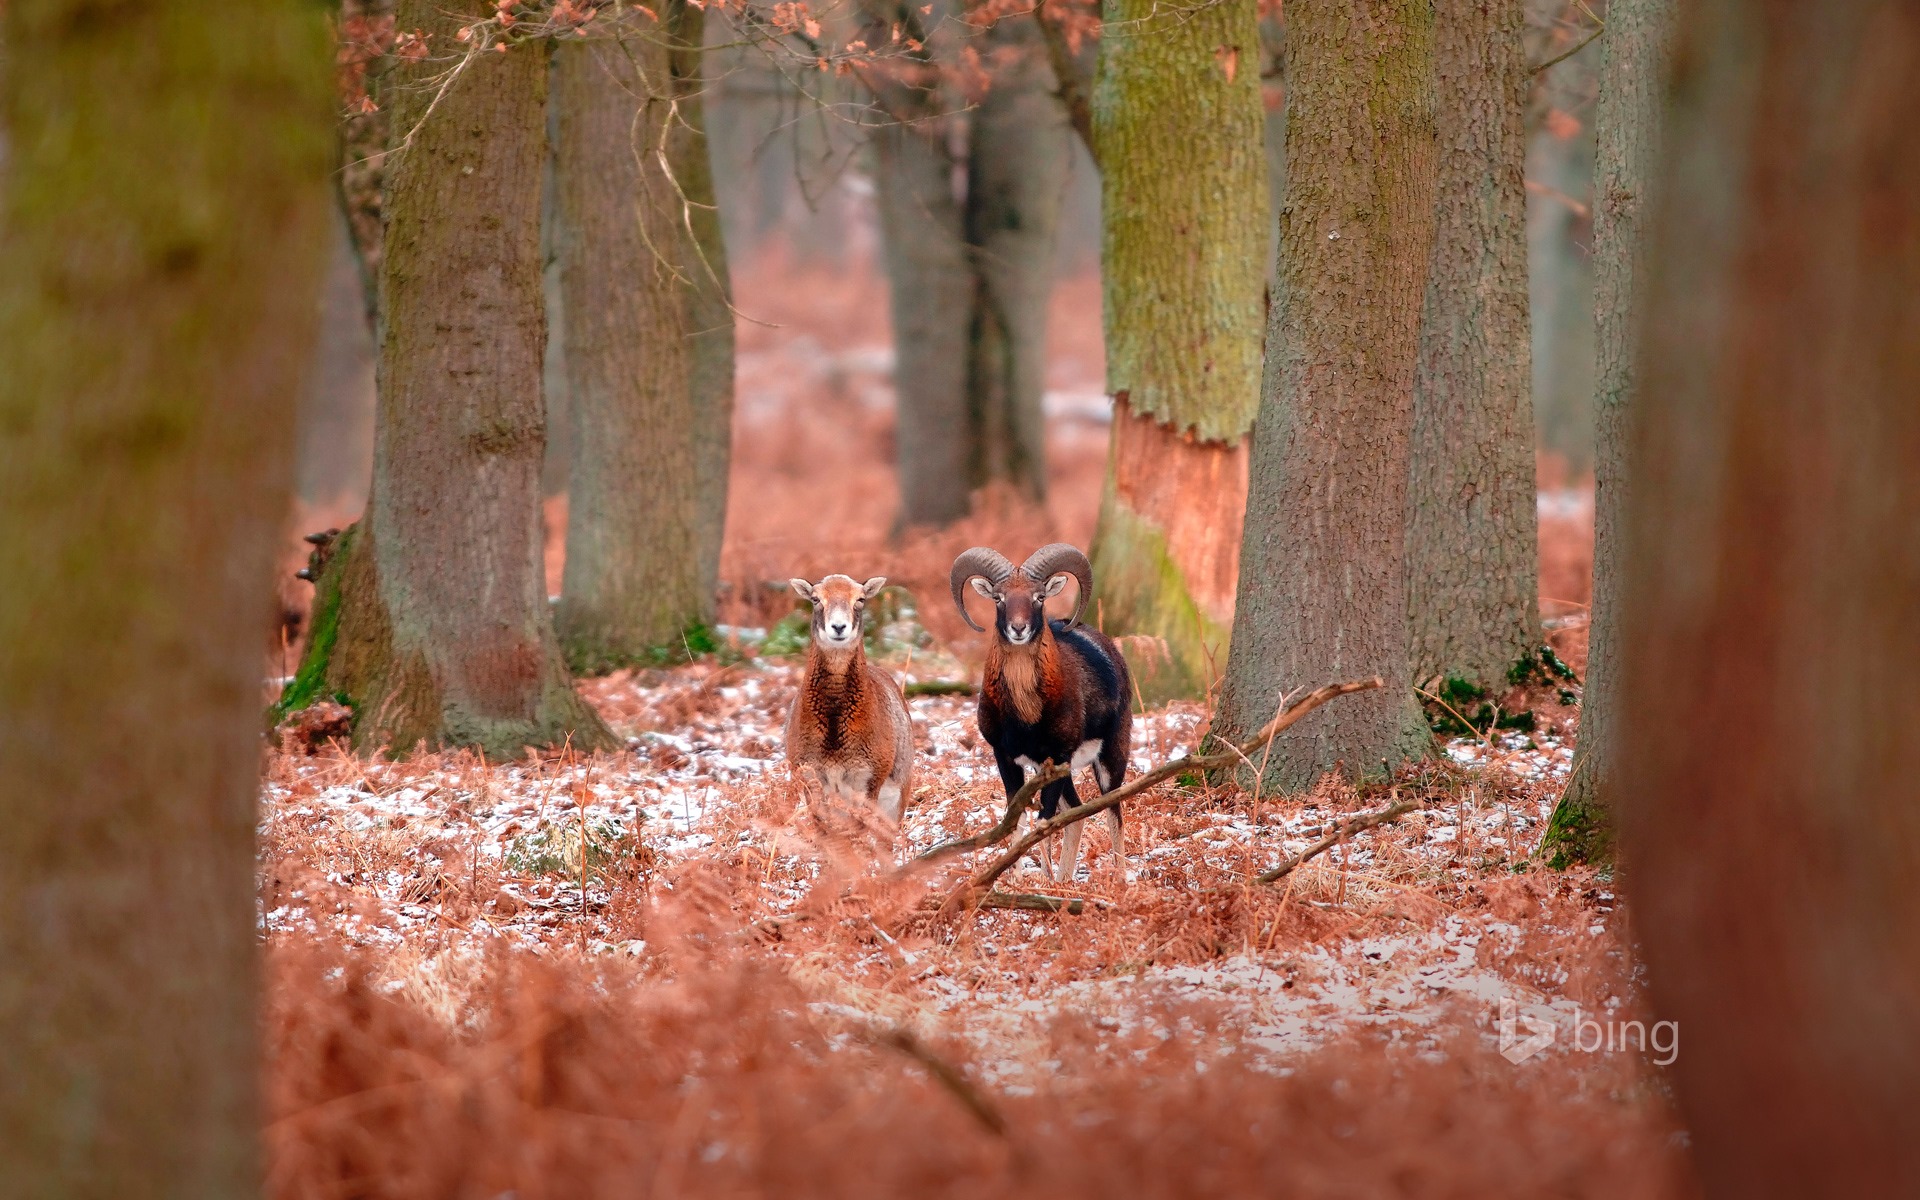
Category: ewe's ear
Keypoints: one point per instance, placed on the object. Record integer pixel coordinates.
(1057, 584)
(982, 586)
(873, 586)
(802, 589)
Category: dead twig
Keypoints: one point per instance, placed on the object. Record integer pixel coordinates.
(981, 883)
(1341, 832)
(946, 1075)
(1019, 803)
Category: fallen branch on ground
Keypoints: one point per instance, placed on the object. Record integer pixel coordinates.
(1233, 756)
(1340, 833)
(1017, 804)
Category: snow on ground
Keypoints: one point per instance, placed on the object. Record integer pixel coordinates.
(1425, 923)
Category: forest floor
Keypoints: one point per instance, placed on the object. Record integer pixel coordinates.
(660, 970)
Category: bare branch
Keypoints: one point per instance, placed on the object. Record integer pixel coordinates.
(1073, 84)
(1192, 762)
(1341, 832)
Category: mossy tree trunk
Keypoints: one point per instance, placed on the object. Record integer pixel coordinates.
(1322, 593)
(649, 342)
(1473, 547)
(163, 219)
(432, 618)
(969, 275)
(1633, 71)
(1178, 118)
(1769, 814)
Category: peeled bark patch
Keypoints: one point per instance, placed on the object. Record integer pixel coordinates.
(1179, 122)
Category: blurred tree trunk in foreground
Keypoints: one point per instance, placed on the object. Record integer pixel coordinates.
(969, 278)
(1180, 125)
(432, 616)
(1633, 71)
(1322, 593)
(649, 342)
(165, 211)
(1473, 552)
(1769, 811)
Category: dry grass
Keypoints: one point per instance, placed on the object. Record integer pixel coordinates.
(721, 995)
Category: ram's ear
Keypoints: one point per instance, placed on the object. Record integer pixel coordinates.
(1058, 584)
(873, 586)
(802, 589)
(982, 586)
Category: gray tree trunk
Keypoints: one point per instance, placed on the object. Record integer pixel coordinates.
(432, 617)
(1322, 586)
(1473, 547)
(1016, 180)
(163, 211)
(1768, 805)
(646, 312)
(1633, 72)
(970, 275)
(931, 292)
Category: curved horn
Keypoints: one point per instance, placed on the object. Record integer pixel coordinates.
(982, 561)
(1062, 559)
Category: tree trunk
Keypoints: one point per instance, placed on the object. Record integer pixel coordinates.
(1769, 814)
(1473, 547)
(432, 617)
(710, 303)
(646, 311)
(1322, 593)
(1633, 71)
(1016, 181)
(1180, 126)
(970, 275)
(165, 211)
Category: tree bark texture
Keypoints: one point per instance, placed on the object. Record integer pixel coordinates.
(432, 618)
(1020, 145)
(1322, 593)
(931, 292)
(163, 219)
(1180, 125)
(1635, 53)
(1473, 546)
(970, 273)
(649, 343)
(1769, 814)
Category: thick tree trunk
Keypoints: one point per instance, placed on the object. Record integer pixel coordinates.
(1180, 126)
(1633, 72)
(646, 311)
(1473, 561)
(970, 276)
(432, 618)
(931, 290)
(165, 210)
(1769, 812)
(1322, 584)
(1016, 180)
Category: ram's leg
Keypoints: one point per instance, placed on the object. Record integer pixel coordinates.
(1110, 771)
(1070, 836)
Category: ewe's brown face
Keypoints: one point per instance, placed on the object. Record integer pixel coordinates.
(838, 601)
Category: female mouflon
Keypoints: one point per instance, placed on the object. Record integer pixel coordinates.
(849, 735)
(1053, 690)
